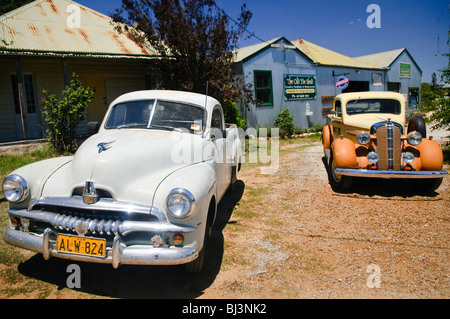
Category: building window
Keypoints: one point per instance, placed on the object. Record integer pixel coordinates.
(393, 86)
(28, 88)
(263, 88)
(377, 79)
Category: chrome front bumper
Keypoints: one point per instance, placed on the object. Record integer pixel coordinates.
(389, 174)
(118, 254)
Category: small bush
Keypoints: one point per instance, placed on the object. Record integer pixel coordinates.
(63, 116)
(232, 115)
(284, 122)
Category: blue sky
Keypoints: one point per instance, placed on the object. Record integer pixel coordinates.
(421, 26)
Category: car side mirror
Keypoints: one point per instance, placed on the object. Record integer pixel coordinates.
(93, 127)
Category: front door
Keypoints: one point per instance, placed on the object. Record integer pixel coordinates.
(30, 108)
(98, 106)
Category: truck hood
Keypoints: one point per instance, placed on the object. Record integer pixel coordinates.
(128, 163)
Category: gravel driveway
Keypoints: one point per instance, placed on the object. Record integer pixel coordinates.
(292, 236)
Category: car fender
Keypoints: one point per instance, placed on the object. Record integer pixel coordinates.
(431, 156)
(327, 136)
(36, 174)
(200, 180)
(344, 153)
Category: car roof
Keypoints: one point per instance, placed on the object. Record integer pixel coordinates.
(370, 95)
(200, 100)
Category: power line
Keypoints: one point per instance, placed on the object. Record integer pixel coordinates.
(238, 24)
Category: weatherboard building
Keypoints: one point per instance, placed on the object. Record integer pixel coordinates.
(304, 78)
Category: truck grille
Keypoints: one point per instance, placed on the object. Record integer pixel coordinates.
(389, 147)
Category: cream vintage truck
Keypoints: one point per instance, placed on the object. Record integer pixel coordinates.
(143, 190)
(367, 135)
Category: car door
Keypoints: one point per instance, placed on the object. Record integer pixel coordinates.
(219, 141)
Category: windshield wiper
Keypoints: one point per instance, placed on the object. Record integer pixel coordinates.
(129, 125)
(166, 127)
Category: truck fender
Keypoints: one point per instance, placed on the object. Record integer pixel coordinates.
(327, 136)
(431, 156)
(344, 153)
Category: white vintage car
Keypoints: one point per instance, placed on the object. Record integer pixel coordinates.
(143, 190)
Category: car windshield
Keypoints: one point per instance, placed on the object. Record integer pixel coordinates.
(364, 106)
(157, 114)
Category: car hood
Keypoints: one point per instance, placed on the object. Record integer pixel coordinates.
(128, 163)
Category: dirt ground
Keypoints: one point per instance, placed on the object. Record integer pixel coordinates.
(382, 239)
(286, 235)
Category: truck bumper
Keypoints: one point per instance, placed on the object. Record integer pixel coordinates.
(118, 254)
(389, 174)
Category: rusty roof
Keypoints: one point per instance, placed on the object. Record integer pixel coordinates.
(49, 27)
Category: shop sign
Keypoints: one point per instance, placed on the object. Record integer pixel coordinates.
(342, 82)
(299, 87)
(405, 70)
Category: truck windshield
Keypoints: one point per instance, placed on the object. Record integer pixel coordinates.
(157, 114)
(364, 106)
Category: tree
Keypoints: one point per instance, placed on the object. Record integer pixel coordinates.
(9, 5)
(436, 99)
(63, 116)
(194, 41)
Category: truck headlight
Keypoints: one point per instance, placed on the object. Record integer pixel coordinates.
(414, 138)
(372, 157)
(408, 157)
(363, 138)
(15, 188)
(180, 202)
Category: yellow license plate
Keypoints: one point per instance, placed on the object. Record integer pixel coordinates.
(86, 246)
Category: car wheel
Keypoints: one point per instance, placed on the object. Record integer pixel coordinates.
(417, 123)
(337, 181)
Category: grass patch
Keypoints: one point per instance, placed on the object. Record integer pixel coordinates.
(8, 163)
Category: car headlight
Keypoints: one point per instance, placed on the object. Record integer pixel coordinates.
(408, 157)
(372, 157)
(414, 138)
(180, 202)
(363, 138)
(15, 188)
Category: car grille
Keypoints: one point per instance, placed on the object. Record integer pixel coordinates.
(389, 147)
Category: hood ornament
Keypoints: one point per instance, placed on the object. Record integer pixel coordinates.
(104, 146)
(90, 195)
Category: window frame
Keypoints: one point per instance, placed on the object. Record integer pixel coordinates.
(257, 73)
(29, 89)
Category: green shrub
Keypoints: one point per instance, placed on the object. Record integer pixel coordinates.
(284, 122)
(63, 116)
(232, 115)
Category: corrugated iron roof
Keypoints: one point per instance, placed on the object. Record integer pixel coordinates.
(382, 59)
(42, 26)
(324, 56)
(314, 52)
(246, 52)
(385, 59)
